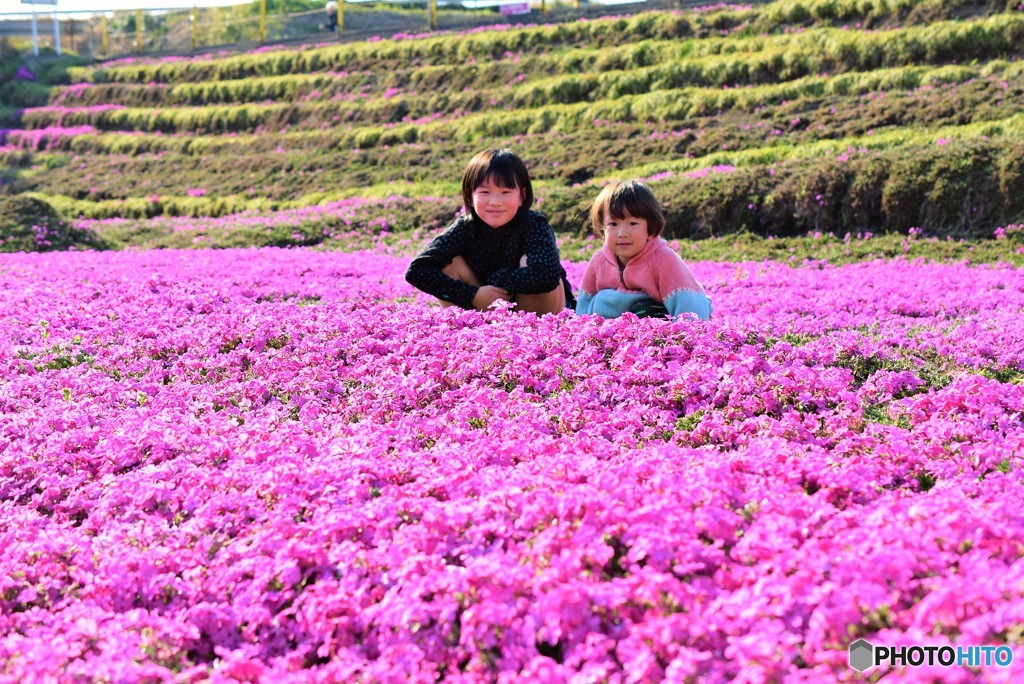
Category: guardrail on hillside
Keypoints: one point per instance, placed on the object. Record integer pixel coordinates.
(190, 29)
(193, 29)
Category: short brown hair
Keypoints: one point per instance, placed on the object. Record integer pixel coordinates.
(504, 167)
(627, 197)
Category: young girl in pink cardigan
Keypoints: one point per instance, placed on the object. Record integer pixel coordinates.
(636, 270)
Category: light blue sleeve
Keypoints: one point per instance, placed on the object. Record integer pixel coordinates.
(584, 303)
(608, 303)
(688, 301)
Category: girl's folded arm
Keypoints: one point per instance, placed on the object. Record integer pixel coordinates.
(688, 301)
(424, 273)
(679, 290)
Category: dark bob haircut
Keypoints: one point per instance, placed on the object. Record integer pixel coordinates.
(503, 168)
(624, 198)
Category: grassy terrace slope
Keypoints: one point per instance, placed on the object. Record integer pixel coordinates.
(775, 120)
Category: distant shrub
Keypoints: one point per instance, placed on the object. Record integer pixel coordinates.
(31, 225)
(24, 93)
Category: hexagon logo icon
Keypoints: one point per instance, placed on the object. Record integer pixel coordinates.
(861, 655)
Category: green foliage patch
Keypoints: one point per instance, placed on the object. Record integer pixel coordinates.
(31, 225)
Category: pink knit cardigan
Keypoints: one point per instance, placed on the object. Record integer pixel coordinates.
(657, 272)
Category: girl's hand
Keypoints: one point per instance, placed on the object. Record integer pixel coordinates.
(487, 295)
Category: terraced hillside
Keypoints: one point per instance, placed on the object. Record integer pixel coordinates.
(777, 119)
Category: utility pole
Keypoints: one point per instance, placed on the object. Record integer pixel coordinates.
(35, 25)
(263, 21)
(56, 30)
(138, 30)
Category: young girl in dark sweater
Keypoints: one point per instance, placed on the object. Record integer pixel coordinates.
(498, 248)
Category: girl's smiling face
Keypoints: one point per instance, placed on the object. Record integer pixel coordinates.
(625, 236)
(494, 204)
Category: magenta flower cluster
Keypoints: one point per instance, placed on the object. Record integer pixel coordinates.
(288, 466)
(39, 139)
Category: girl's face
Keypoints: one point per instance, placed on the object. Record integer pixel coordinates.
(494, 204)
(625, 236)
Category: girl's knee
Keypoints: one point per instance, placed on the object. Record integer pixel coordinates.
(540, 304)
(459, 270)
